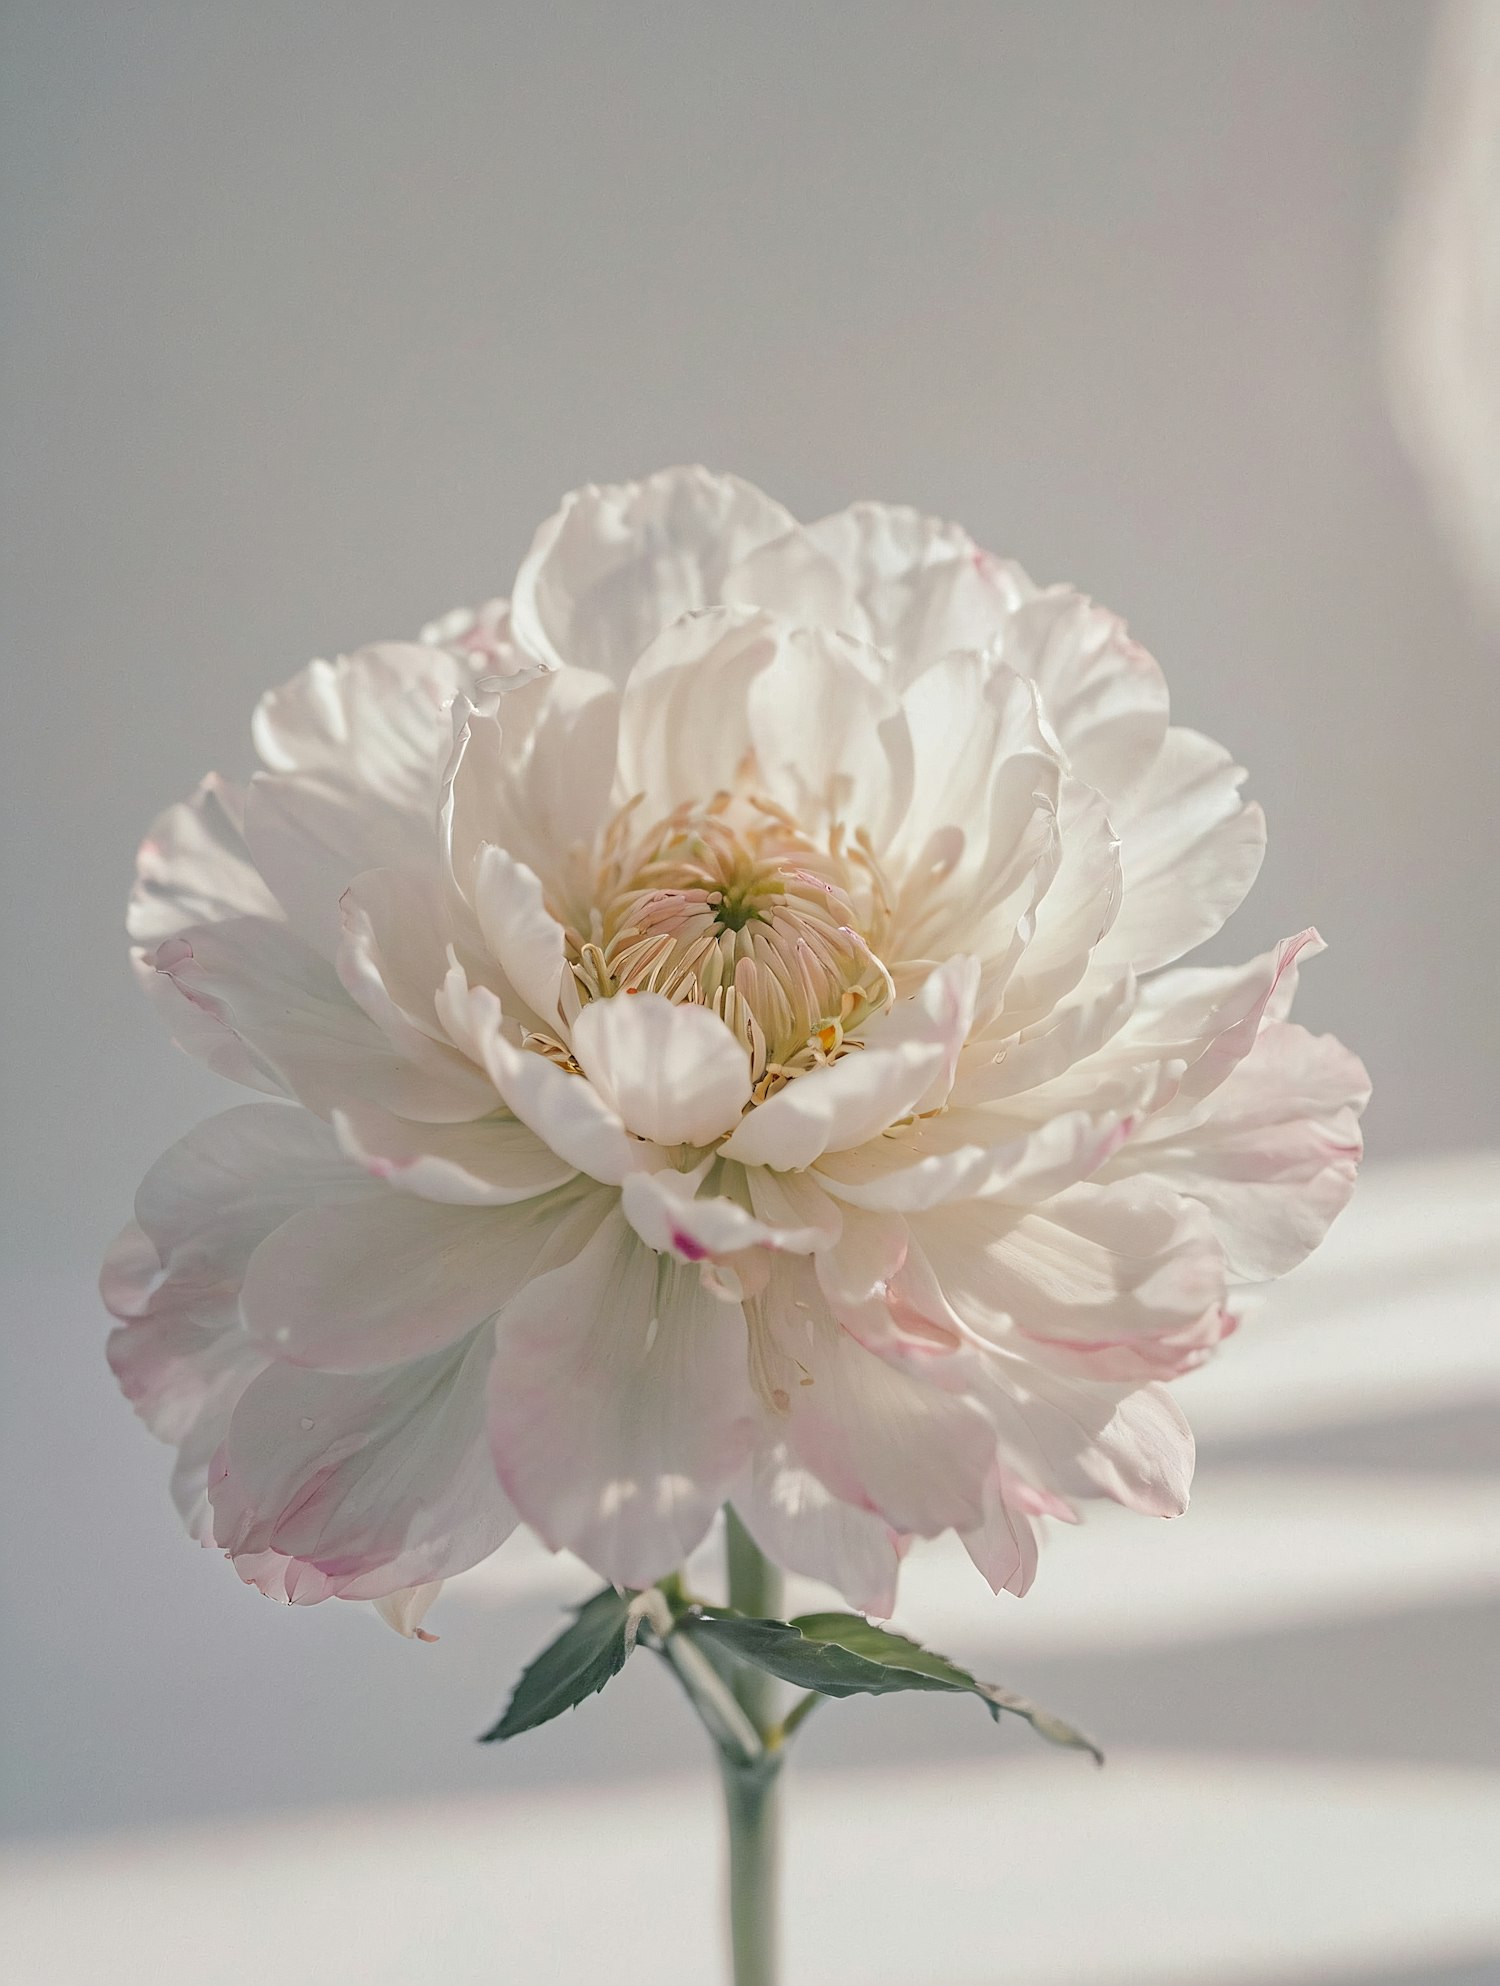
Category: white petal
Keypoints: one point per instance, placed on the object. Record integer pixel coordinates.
(1209, 1017)
(564, 1110)
(375, 717)
(1272, 1153)
(526, 940)
(674, 1073)
(356, 750)
(1121, 1282)
(666, 1212)
(913, 586)
(620, 1406)
(997, 1069)
(1189, 851)
(491, 1162)
(194, 868)
(876, 1435)
(534, 775)
(804, 716)
(901, 1173)
(348, 1288)
(1079, 905)
(911, 1055)
(617, 564)
(967, 715)
(406, 1610)
(392, 958)
(254, 983)
(375, 1481)
(173, 1277)
(800, 1526)
(1004, 1546)
(1103, 694)
(1076, 1438)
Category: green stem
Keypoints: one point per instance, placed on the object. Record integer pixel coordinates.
(752, 1805)
(754, 1589)
(752, 1791)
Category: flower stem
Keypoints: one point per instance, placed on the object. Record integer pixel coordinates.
(752, 1805)
(752, 1791)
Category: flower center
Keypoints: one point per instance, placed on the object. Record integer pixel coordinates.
(731, 906)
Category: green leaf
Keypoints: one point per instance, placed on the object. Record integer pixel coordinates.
(846, 1655)
(578, 1664)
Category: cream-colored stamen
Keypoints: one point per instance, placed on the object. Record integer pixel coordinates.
(731, 906)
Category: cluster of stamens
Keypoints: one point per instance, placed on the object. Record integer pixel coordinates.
(732, 907)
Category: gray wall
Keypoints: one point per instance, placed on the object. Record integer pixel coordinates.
(315, 309)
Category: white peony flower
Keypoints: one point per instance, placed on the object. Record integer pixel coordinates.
(716, 1014)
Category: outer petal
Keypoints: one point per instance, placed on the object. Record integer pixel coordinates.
(194, 868)
(1101, 691)
(356, 750)
(1189, 851)
(676, 1075)
(914, 587)
(800, 1526)
(255, 984)
(1004, 1546)
(375, 718)
(376, 1482)
(875, 1435)
(1272, 1154)
(1121, 1282)
(391, 960)
(491, 1162)
(620, 1406)
(617, 564)
(406, 1610)
(392, 1279)
(173, 1277)
(1076, 1438)
(927, 1166)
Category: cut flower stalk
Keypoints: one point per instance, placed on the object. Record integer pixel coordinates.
(731, 1662)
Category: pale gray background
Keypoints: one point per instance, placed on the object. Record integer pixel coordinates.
(313, 312)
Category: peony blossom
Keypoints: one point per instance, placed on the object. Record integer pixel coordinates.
(716, 1041)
